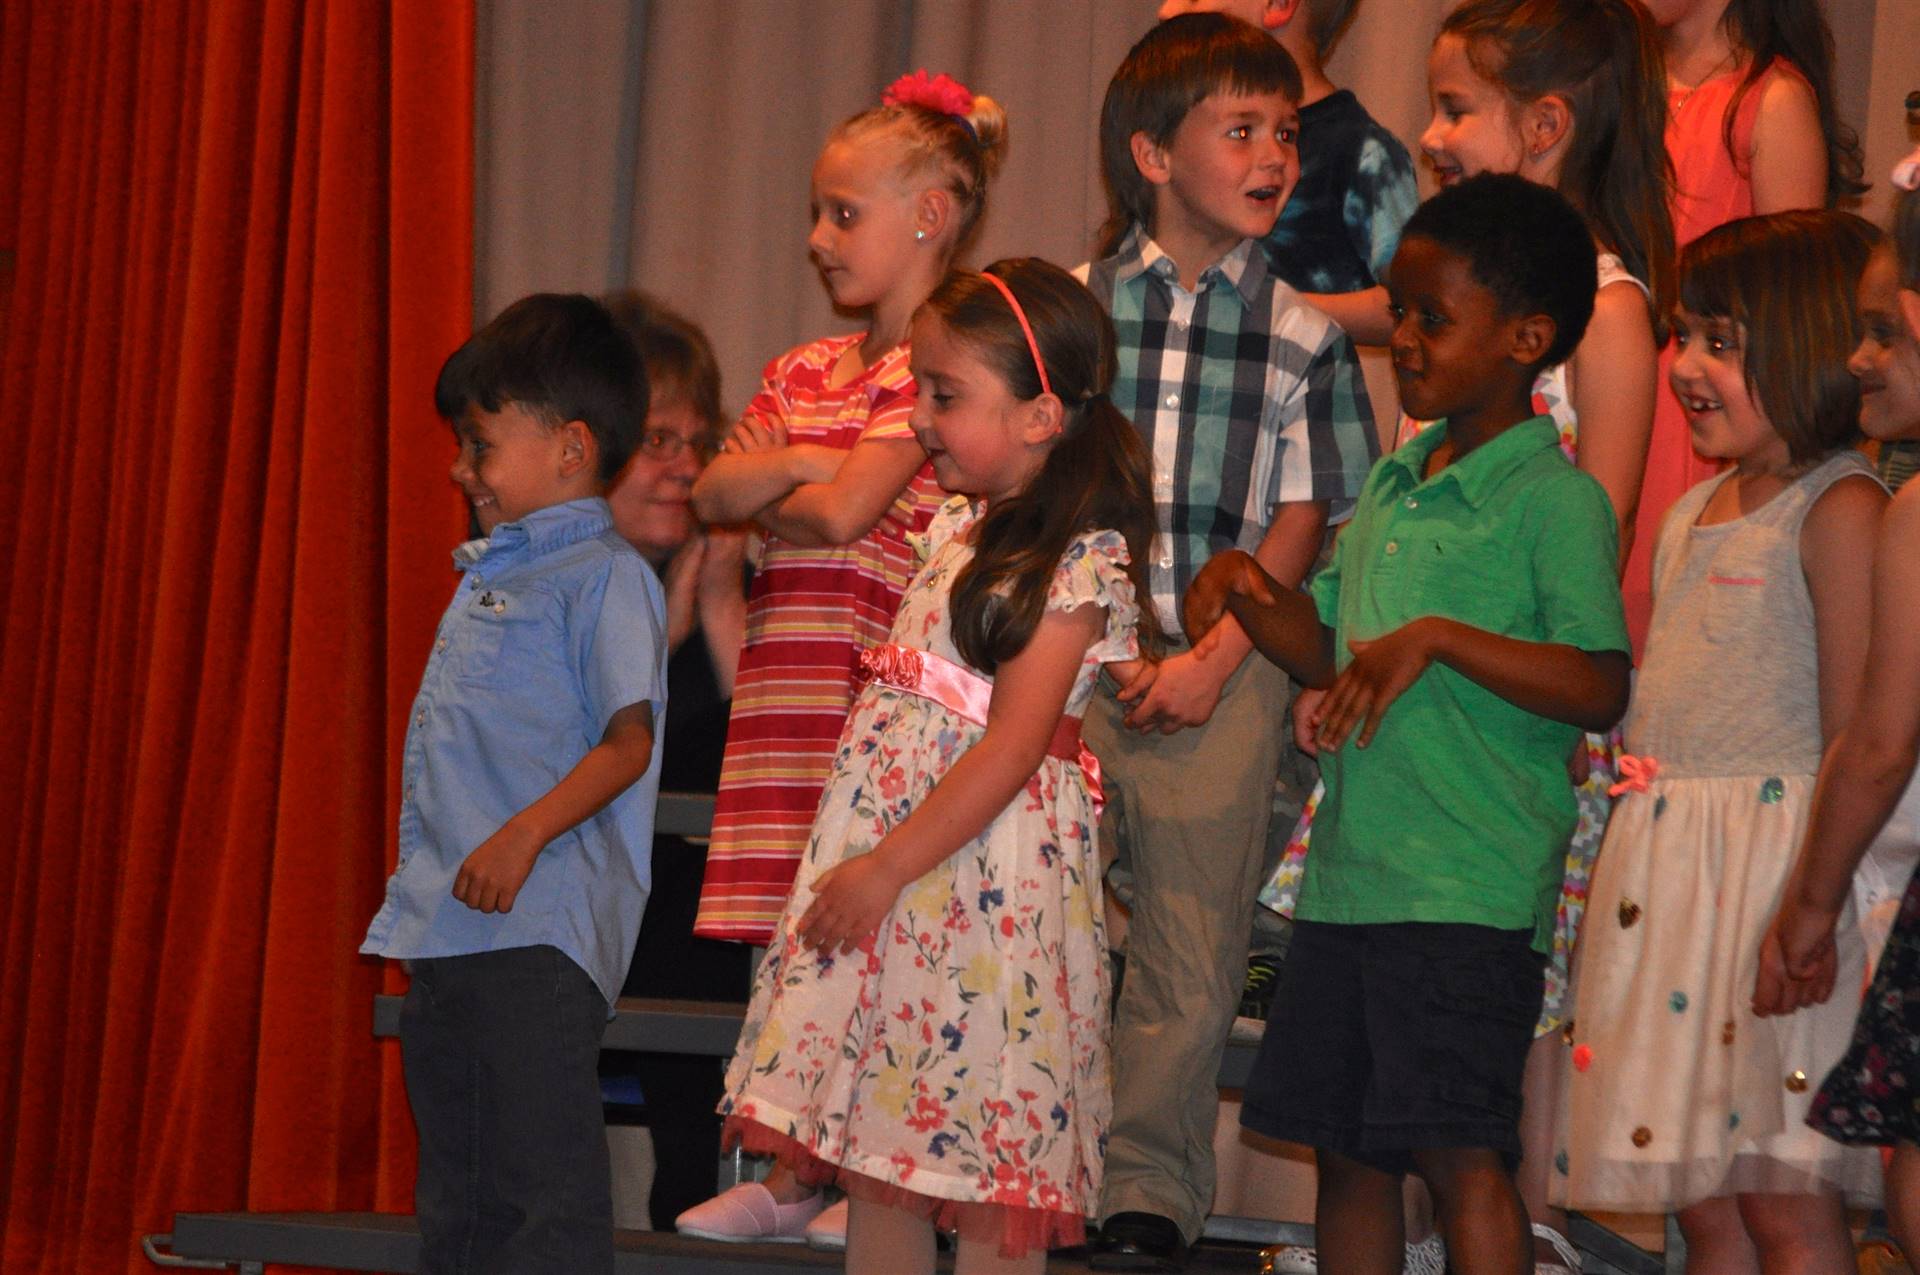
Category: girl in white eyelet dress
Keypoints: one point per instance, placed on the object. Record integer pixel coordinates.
(929, 1027)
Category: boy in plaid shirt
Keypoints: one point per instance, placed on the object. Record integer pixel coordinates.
(1253, 407)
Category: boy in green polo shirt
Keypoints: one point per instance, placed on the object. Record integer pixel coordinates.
(1470, 628)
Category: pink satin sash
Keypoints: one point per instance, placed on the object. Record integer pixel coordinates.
(959, 688)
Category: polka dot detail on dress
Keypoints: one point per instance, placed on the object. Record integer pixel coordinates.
(1642, 1136)
(1677, 1002)
(1772, 791)
(1629, 913)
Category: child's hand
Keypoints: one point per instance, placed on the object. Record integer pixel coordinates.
(1798, 960)
(1183, 692)
(1306, 720)
(1126, 672)
(1580, 763)
(492, 875)
(755, 434)
(849, 901)
(1233, 571)
(1381, 670)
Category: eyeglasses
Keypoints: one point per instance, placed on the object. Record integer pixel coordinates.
(664, 444)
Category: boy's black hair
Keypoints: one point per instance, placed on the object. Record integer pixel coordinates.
(560, 356)
(1174, 66)
(1524, 243)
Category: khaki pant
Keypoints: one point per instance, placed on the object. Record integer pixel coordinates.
(1189, 813)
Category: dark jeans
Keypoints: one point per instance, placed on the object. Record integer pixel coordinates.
(500, 1051)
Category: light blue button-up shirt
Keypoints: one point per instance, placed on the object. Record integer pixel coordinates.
(556, 626)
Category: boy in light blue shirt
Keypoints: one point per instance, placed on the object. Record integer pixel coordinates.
(527, 799)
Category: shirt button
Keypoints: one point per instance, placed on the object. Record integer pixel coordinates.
(1393, 547)
(1412, 503)
(1165, 559)
(420, 718)
(441, 645)
(1172, 400)
(1179, 325)
(499, 608)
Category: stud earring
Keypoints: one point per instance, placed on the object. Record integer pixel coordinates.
(919, 234)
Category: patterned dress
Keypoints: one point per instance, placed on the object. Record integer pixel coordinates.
(957, 1064)
(1552, 396)
(809, 615)
(1872, 1096)
(1678, 1092)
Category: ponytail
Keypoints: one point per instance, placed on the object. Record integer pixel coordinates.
(1097, 476)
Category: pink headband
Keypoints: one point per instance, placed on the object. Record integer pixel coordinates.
(1033, 346)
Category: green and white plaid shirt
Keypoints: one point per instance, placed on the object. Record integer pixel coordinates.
(1247, 397)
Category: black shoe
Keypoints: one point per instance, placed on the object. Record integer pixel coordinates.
(1137, 1242)
(1256, 996)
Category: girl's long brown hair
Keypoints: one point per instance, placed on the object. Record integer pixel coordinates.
(1603, 57)
(1096, 477)
(1797, 31)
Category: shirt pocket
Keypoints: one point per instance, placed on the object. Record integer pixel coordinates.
(1736, 592)
(506, 636)
(1466, 574)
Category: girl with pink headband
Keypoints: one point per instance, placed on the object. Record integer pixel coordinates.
(929, 1028)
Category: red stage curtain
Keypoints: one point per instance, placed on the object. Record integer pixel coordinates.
(235, 243)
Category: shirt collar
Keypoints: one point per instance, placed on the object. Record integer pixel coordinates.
(1244, 268)
(540, 532)
(1478, 474)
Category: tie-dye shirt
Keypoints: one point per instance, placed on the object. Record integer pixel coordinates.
(1356, 189)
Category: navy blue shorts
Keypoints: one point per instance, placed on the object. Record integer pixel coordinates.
(1387, 1039)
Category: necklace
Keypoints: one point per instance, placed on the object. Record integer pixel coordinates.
(1678, 93)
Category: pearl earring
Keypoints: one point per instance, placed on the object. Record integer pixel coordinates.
(919, 234)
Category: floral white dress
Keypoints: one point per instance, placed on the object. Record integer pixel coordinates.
(958, 1063)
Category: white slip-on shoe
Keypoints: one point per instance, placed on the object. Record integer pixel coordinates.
(748, 1213)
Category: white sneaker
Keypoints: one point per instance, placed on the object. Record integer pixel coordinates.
(748, 1214)
(1428, 1257)
(1569, 1263)
(828, 1231)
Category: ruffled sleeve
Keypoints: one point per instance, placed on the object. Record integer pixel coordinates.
(952, 518)
(1094, 569)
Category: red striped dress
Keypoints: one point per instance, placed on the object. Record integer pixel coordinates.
(809, 615)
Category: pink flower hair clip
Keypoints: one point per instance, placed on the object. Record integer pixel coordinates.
(940, 93)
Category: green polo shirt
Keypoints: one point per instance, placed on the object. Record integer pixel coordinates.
(1460, 809)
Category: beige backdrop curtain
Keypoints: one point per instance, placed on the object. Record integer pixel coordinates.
(667, 143)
